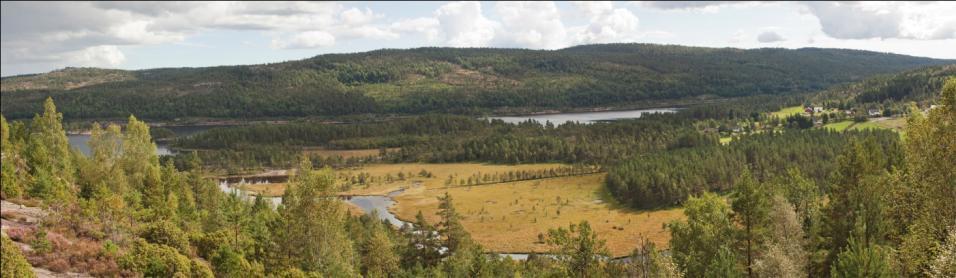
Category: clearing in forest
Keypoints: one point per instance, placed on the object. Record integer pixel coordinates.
(508, 217)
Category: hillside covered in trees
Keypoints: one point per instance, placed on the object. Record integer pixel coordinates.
(447, 80)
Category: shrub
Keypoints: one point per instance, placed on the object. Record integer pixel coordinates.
(158, 260)
(164, 232)
(12, 263)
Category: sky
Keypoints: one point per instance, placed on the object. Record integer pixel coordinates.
(43, 36)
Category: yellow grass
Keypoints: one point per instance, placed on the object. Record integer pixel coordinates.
(265, 189)
(507, 217)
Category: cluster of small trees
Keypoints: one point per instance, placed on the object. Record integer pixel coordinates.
(521, 175)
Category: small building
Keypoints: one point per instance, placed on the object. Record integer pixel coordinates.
(875, 113)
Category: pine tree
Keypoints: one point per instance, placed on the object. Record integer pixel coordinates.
(751, 206)
(578, 249)
(450, 227)
(49, 156)
(313, 224)
(379, 258)
(701, 240)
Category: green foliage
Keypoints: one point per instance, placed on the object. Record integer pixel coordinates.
(445, 138)
(11, 184)
(424, 244)
(166, 233)
(926, 208)
(944, 265)
(312, 222)
(857, 197)
(229, 263)
(379, 256)
(706, 239)
(578, 249)
(13, 262)
(751, 205)
(862, 260)
(156, 260)
(666, 178)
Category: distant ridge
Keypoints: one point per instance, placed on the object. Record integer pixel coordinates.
(453, 80)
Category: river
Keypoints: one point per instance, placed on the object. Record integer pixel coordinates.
(80, 141)
(583, 117)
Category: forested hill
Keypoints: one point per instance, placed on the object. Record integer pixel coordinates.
(447, 80)
(920, 86)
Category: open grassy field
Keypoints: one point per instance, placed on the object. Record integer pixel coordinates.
(839, 126)
(895, 124)
(508, 217)
(787, 111)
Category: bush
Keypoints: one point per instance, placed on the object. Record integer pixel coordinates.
(164, 232)
(207, 244)
(12, 263)
(158, 260)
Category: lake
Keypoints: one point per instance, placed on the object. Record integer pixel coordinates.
(584, 117)
(80, 141)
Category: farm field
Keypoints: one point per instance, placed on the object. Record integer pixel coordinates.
(839, 126)
(787, 111)
(508, 217)
(895, 124)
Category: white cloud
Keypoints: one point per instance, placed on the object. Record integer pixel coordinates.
(864, 20)
(531, 24)
(424, 25)
(607, 24)
(769, 36)
(98, 56)
(41, 32)
(463, 24)
(310, 39)
(686, 5)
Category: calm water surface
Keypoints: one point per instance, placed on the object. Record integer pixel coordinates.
(585, 117)
(80, 141)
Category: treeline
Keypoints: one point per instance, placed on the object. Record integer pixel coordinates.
(450, 80)
(874, 217)
(667, 178)
(444, 138)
